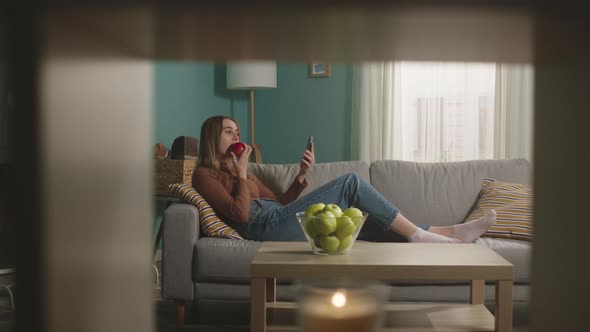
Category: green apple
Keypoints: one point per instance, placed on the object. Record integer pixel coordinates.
(325, 223)
(317, 241)
(330, 243)
(352, 212)
(344, 227)
(335, 209)
(309, 226)
(314, 209)
(355, 214)
(345, 243)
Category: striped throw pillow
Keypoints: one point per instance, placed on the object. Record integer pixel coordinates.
(211, 224)
(513, 203)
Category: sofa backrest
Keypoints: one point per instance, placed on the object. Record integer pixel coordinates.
(441, 193)
(278, 177)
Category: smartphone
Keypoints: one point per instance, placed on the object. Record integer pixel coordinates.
(309, 143)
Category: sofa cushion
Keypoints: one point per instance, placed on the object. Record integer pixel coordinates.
(441, 193)
(278, 178)
(223, 260)
(516, 252)
(211, 224)
(513, 203)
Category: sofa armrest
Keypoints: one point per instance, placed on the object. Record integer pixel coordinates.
(179, 233)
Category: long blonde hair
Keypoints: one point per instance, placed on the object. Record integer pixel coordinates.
(209, 155)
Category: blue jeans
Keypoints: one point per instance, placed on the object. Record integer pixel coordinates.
(269, 220)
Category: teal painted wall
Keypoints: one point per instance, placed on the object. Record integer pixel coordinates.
(301, 106)
(188, 93)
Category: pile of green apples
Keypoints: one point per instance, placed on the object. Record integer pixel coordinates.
(330, 228)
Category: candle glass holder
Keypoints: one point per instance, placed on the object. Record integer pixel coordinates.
(341, 306)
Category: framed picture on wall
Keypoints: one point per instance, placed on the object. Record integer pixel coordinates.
(319, 69)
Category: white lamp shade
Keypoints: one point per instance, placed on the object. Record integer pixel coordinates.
(251, 74)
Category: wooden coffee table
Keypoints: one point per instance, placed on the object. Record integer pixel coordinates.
(391, 261)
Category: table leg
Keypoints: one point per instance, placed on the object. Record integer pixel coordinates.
(258, 298)
(504, 306)
(478, 291)
(179, 314)
(271, 290)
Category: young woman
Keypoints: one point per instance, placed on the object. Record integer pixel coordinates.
(259, 214)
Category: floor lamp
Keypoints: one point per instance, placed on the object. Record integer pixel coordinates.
(252, 75)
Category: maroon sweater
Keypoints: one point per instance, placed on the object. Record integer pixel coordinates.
(231, 196)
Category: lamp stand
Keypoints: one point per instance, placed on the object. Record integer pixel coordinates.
(251, 116)
(255, 147)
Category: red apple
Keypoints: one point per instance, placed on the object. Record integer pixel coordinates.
(237, 148)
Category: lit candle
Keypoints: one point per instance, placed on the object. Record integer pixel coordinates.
(339, 311)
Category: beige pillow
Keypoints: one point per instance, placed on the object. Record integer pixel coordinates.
(513, 203)
(211, 224)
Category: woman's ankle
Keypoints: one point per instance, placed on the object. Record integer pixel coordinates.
(442, 230)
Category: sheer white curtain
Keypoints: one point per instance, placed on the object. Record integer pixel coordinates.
(432, 111)
(514, 112)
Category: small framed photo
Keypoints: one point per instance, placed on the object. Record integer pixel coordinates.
(319, 69)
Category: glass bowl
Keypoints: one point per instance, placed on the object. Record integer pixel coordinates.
(330, 240)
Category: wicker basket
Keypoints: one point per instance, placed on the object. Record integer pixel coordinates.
(169, 171)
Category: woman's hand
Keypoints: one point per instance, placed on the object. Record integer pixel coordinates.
(241, 163)
(307, 163)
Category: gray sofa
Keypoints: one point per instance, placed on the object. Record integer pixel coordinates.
(211, 275)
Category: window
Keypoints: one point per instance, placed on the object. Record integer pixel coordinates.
(442, 111)
(447, 110)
